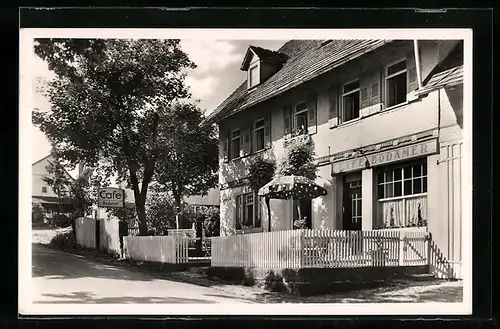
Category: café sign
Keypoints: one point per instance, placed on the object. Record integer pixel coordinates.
(386, 157)
(110, 197)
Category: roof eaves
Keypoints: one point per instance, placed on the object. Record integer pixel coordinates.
(319, 72)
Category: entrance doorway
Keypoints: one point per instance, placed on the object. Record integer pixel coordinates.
(352, 204)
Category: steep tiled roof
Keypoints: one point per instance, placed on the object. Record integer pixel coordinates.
(447, 78)
(269, 55)
(307, 59)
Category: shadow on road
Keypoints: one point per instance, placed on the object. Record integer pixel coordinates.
(56, 264)
(88, 297)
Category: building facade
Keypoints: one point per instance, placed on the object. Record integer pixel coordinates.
(42, 193)
(385, 117)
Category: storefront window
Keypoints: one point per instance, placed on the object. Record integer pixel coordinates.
(402, 196)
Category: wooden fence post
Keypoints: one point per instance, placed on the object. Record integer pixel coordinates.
(428, 241)
(401, 247)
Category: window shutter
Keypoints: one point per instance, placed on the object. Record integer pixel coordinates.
(364, 100)
(226, 147)
(411, 75)
(267, 132)
(239, 211)
(245, 138)
(333, 113)
(375, 91)
(287, 113)
(311, 113)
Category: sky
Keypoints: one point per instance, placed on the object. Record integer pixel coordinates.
(217, 75)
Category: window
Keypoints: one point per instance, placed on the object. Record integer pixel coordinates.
(44, 189)
(401, 193)
(253, 76)
(396, 83)
(235, 144)
(350, 101)
(259, 135)
(247, 211)
(301, 120)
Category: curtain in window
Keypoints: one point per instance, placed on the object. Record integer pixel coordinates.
(391, 214)
(416, 210)
(402, 213)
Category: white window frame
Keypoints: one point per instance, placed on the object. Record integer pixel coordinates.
(256, 210)
(258, 129)
(357, 90)
(387, 77)
(231, 148)
(404, 197)
(296, 113)
(252, 83)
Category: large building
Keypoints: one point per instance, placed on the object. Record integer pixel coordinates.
(385, 117)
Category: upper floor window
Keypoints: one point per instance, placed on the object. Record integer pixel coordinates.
(396, 84)
(44, 189)
(253, 76)
(350, 101)
(259, 135)
(235, 144)
(301, 118)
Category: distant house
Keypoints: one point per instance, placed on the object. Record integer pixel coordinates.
(42, 194)
(210, 199)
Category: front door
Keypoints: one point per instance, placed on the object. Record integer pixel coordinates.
(352, 205)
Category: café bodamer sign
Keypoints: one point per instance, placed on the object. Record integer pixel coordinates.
(385, 157)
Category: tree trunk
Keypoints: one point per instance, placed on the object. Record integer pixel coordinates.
(141, 214)
(199, 235)
(266, 199)
(177, 202)
(299, 213)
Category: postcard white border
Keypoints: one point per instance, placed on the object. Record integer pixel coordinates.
(26, 307)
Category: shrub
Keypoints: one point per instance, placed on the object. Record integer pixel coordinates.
(160, 213)
(62, 220)
(64, 241)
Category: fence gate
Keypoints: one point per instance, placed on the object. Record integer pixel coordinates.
(414, 248)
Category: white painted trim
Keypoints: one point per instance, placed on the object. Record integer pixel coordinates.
(250, 68)
(387, 76)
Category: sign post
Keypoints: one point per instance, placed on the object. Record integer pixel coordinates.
(110, 197)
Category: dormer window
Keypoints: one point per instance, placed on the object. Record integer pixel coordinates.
(260, 64)
(253, 76)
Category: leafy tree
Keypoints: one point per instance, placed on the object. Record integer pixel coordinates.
(160, 213)
(261, 172)
(80, 193)
(58, 180)
(190, 167)
(211, 223)
(298, 159)
(107, 100)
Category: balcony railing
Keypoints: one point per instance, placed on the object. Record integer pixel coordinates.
(297, 136)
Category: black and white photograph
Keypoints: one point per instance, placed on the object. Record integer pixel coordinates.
(253, 171)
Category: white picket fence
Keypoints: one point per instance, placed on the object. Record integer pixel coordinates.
(164, 249)
(321, 248)
(85, 232)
